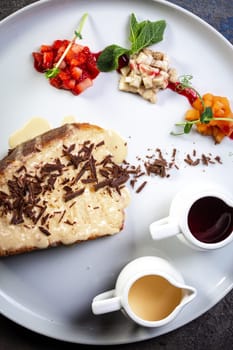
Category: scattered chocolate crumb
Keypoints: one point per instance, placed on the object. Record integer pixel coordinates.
(174, 153)
(140, 188)
(132, 182)
(190, 161)
(218, 159)
(205, 159)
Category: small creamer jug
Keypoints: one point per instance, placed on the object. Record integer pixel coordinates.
(149, 290)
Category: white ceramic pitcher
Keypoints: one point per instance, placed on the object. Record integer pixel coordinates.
(149, 290)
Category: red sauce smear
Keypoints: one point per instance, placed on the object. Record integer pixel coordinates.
(76, 72)
(190, 94)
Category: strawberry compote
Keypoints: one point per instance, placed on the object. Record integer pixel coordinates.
(77, 70)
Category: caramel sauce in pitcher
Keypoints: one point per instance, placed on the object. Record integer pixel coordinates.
(153, 298)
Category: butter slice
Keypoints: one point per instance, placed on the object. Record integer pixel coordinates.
(117, 145)
(34, 127)
(69, 119)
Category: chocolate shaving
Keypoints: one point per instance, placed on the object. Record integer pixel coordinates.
(140, 188)
(68, 222)
(89, 180)
(104, 173)
(206, 160)
(218, 159)
(42, 210)
(81, 173)
(157, 167)
(102, 184)
(71, 195)
(65, 181)
(92, 167)
(119, 180)
(51, 167)
(62, 216)
(72, 204)
(67, 188)
(22, 168)
(101, 143)
(44, 219)
(44, 230)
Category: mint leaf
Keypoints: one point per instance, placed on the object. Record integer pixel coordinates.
(207, 115)
(150, 33)
(135, 28)
(187, 128)
(108, 59)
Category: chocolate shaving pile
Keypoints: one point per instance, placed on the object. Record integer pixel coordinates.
(24, 196)
(156, 164)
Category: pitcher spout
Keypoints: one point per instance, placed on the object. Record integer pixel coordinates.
(189, 293)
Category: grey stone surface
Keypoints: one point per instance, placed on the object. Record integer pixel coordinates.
(214, 329)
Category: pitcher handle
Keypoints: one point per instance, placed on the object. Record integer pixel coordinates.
(164, 228)
(106, 302)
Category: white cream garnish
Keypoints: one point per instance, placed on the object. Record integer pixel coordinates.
(69, 119)
(34, 127)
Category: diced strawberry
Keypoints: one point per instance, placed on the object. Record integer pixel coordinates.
(77, 69)
(76, 48)
(46, 48)
(64, 75)
(92, 70)
(63, 65)
(81, 57)
(86, 50)
(69, 84)
(48, 60)
(83, 85)
(58, 43)
(74, 62)
(56, 82)
(76, 72)
(70, 56)
(38, 59)
(60, 52)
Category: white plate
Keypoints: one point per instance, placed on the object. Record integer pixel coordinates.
(51, 291)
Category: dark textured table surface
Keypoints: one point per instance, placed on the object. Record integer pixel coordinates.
(214, 329)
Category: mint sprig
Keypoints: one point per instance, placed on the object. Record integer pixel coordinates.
(142, 34)
(108, 59)
(53, 72)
